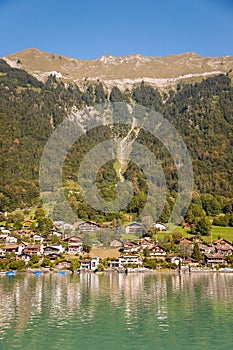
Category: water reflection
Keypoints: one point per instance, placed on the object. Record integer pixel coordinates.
(135, 306)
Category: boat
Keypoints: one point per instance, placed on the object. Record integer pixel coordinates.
(37, 272)
(61, 272)
(10, 273)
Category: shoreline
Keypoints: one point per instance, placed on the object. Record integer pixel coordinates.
(45, 271)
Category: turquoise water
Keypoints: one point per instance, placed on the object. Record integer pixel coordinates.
(116, 311)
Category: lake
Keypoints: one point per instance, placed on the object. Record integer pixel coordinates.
(117, 311)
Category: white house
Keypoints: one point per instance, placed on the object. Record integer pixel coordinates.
(160, 226)
(135, 228)
(37, 238)
(53, 249)
(130, 259)
(11, 239)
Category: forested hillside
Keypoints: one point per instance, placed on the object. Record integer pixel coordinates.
(30, 110)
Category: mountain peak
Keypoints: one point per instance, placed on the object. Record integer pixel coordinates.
(123, 71)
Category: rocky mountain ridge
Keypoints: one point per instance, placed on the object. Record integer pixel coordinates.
(124, 72)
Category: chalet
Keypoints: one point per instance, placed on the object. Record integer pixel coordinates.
(11, 239)
(25, 233)
(157, 251)
(37, 238)
(159, 226)
(131, 247)
(11, 248)
(75, 244)
(135, 228)
(205, 249)
(24, 257)
(33, 249)
(130, 259)
(88, 226)
(116, 243)
(53, 249)
(64, 264)
(56, 233)
(145, 243)
(223, 247)
(187, 242)
(213, 259)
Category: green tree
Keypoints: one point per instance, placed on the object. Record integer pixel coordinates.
(196, 254)
(202, 227)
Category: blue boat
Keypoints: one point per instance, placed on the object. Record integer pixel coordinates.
(10, 273)
(61, 272)
(38, 272)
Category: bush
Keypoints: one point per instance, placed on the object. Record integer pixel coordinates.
(16, 265)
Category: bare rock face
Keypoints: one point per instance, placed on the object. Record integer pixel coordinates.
(124, 72)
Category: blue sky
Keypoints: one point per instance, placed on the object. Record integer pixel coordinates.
(89, 29)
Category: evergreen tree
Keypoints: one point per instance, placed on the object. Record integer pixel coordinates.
(196, 254)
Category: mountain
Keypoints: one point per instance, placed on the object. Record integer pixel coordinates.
(30, 111)
(124, 72)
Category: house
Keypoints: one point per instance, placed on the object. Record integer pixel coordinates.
(95, 263)
(11, 248)
(58, 224)
(56, 233)
(115, 264)
(186, 226)
(116, 243)
(213, 259)
(191, 262)
(4, 231)
(53, 249)
(33, 249)
(223, 247)
(3, 235)
(205, 249)
(195, 239)
(157, 251)
(90, 264)
(130, 259)
(186, 242)
(85, 264)
(27, 224)
(11, 240)
(88, 226)
(159, 226)
(25, 233)
(37, 238)
(130, 247)
(135, 228)
(145, 243)
(75, 244)
(23, 257)
(174, 259)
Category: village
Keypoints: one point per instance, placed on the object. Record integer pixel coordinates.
(64, 248)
